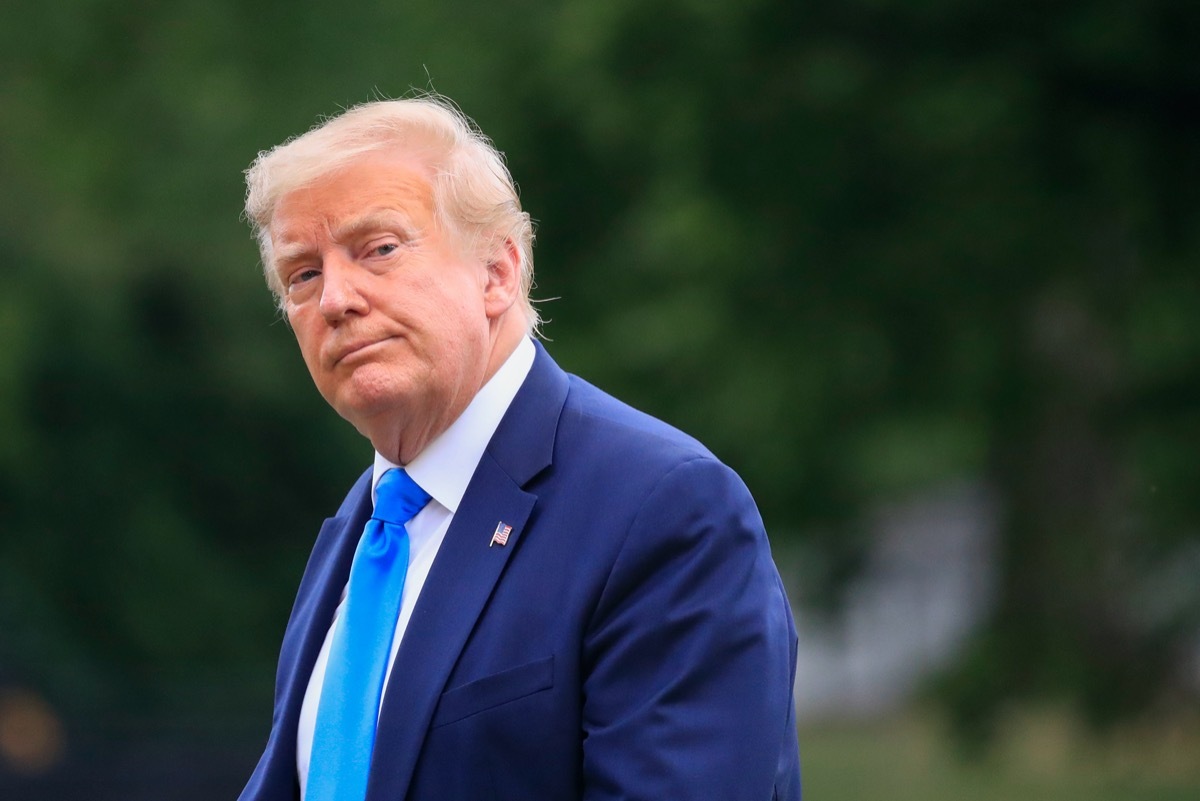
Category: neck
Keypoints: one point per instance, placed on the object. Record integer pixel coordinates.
(400, 440)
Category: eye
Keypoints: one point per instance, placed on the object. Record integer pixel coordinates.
(301, 277)
(386, 249)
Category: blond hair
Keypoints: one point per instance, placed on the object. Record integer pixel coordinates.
(474, 195)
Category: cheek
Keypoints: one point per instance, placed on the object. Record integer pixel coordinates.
(449, 316)
(309, 341)
(463, 327)
(305, 339)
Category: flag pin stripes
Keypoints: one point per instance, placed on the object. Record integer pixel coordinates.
(500, 535)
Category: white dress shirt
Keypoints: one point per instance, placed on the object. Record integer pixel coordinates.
(443, 470)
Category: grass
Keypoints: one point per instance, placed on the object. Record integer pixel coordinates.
(1038, 757)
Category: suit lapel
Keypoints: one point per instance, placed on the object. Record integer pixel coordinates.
(316, 600)
(465, 572)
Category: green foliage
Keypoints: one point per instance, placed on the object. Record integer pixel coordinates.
(1038, 757)
(858, 248)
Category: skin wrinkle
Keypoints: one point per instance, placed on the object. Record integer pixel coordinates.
(293, 250)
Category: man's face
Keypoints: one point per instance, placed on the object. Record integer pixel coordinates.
(388, 310)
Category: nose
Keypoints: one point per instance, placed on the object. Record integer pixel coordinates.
(340, 293)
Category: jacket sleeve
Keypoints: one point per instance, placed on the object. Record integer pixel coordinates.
(689, 658)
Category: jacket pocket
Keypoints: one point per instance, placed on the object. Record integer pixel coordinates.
(494, 690)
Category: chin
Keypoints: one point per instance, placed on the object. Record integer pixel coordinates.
(365, 397)
(369, 407)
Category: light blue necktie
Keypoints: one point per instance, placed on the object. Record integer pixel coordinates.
(344, 734)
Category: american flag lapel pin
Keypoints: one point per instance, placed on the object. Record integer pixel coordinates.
(500, 535)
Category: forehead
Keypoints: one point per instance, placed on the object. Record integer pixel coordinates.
(366, 186)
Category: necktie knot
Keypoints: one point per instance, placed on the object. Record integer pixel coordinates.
(398, 498)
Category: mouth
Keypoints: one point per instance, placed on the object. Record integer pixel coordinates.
(357, 349)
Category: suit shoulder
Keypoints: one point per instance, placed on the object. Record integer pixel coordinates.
(599, 424)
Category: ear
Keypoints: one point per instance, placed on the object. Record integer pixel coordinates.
(502, 287)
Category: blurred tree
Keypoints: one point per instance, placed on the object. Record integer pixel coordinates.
(859, 248)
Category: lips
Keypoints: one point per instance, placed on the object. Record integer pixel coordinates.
(354, 348)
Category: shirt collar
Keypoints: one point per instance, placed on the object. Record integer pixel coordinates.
(446, 465)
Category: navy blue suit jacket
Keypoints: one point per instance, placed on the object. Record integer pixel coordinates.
(631, 641)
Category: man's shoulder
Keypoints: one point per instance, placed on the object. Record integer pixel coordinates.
(599, 423)
(558, 416)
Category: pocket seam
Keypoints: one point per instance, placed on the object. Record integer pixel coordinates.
(494, 690)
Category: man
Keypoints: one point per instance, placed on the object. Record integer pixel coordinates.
(556, 596)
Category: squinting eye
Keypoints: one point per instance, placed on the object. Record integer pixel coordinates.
(385, 250)
(302, 277)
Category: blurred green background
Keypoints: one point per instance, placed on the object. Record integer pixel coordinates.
(925, 273)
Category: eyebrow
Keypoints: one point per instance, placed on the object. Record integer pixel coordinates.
(290, 253)
(383, 219)
(379, 219)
